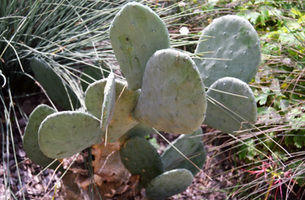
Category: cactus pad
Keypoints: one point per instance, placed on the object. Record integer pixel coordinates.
(136, 33)
(140, 130)
(228, 112)
(232, 48)
(141, 158)
(53, 84)
(172, 96)
(89, 75)
(66, 133)
(108, 102)
(126, 101)
(198, 157)
(30, 138)
(94, 97)
(169, 183)
(188, 145)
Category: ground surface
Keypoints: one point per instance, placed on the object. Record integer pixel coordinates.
(36, 185)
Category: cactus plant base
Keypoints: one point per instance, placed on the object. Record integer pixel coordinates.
(111, 179)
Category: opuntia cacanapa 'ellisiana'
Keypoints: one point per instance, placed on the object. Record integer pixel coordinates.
(164, 90)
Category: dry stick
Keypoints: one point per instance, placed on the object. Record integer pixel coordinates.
(181, 153)
(227, 93)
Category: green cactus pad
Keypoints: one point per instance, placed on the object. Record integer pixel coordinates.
(188, 145)
(231, 48)
(89, 75)
(94, 97)
(140, 130)
(108, 102)
(121, 120)
(141, 158)
(172, 96)
(66, 133)
(168, 184)
(30, 138)
(136, 33)
(228, 112)
(198, 157)
(53, 84)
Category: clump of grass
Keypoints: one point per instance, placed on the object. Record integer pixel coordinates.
(69, 35)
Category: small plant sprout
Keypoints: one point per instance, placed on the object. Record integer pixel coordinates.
(273, 176)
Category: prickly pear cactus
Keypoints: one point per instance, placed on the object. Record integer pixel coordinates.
(164, 90)
(125, 102)
(66, 133)
(172, 96)
(30, 138)
(189, 145)
(108, 103)
(90, 75)
(136, 33)
(59, 92)
(169, 183)
(235, 50)
(140, 130)
(156, 172)
(232, 105)
(141, 158)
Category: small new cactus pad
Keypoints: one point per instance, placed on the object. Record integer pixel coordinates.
(231, 105)
(136, 33)
(140, 130)
(230, 47)
(94, 97)
(198, 158)
(30, 138)
(66, 133)
(172, 96)
(126, 101)
(141, 158)
(186, 144)
(108, 102)
(53, 84)
(169, 183)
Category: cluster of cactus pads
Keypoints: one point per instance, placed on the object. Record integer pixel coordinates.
(164, 90)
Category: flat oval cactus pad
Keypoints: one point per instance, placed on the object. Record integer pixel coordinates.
(136, 33)
(30, 138)
(169, 183)
(172, 96)
(66, 133)
(231, 106)
(230, 47)
(141, 158)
